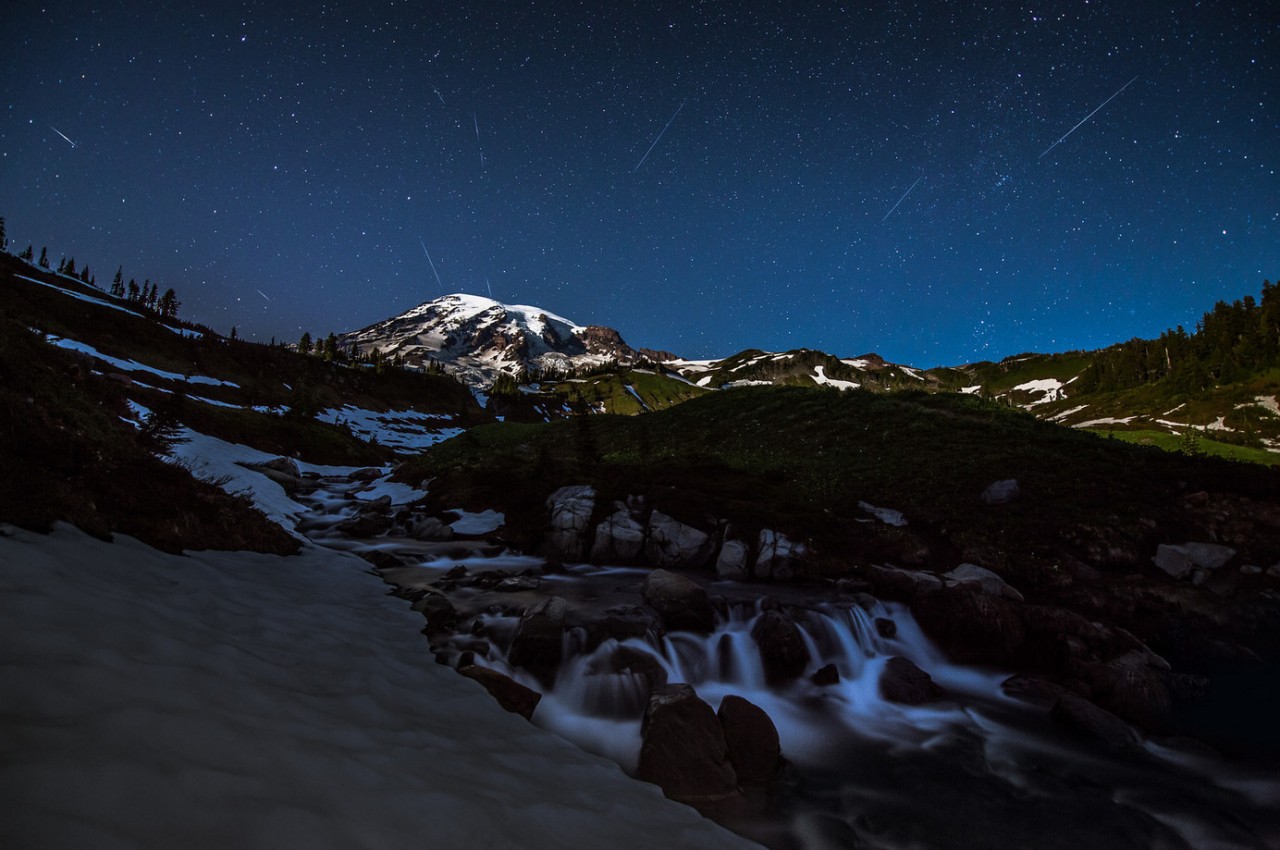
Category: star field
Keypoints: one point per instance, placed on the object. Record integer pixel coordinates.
(937, 182)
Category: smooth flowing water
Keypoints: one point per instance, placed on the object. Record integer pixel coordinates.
(975, 769)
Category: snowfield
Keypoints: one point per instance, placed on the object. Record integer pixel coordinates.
(231, 699)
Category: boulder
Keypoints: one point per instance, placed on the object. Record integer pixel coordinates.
(971, 626)
(1001, 492)
(509, 693)
(732, 562)
(517, 583)
(782, 650)
(683, 749)
(1079, 714)
(365, 525)
(369, 473)
(441, 616)
(1173, 560)
(903, 682)
(571, 509)
(779, 557)
(538, 644)
(429, 528)
(285, 465)
(752, 739)
(886, 628)
(1209, 556)
(1134, 686)
(903, 584)
(619, 538)
(680, 601)
(671, 543)
(988, 581)
(826, 675)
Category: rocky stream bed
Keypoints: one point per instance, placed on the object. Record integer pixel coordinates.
(798, 715)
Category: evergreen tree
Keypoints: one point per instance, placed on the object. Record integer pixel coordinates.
(304, 344)
(71, 267)
(4, 237)
(133, 291)
(117, 283)
(62, 265)
(331, 347)
(234, 333)
(27, 254)
(169, 304)
(44, 258)
(162, 427)
(84, 275)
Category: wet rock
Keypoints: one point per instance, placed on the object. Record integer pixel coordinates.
(671, 543)
(903, 584)
(429, 528)
(732, 562)
(782, 650)
(886, 628)
(441, 616)
(379, 506)
(752, 740)
(619, 538)
(988, 581)
(538, 643)
(1079, 714)
(509, 693)
(680, 601)
(1001, 492)
(973, 627)
(903, 682)
(1033, 690)
(1134, 686)
(369, 473)
(778, 556)
(629, 674)
(1209, 556)
(381, 560)
(516, 583)
(364, 525)
(826, 675)
(571, 509)
(683, 749)
(1185, 560)
(282, 470)
(621, 622)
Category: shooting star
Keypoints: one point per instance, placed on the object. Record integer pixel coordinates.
(900, 200)
(1084, 119)
(659, 137)
(62, 134)
(437, 91)
(488, 287)
(476, 124)
(263, 294)
(433, 265)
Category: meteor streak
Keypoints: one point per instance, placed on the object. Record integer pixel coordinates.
(433, 265)
(1084, 119)
(900, 200)
(659, 138)
(62, 134)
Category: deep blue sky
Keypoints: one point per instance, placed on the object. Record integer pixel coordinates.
(254, 153)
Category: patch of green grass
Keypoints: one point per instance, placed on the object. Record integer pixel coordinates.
(1174, 443)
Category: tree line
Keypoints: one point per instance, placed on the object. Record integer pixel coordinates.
(1230, 343)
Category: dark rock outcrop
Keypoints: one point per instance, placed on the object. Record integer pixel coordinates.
(509, 693)
(683, 749)
(681, 602)
(752, 739)
(538, 644)
(903, 682)
(1084, 717)
(782, 649)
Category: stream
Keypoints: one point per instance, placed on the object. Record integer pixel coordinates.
(975, 769)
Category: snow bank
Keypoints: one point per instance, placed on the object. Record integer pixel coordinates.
(133, 365)
(255, 701)
(398, 429)
(820, 378)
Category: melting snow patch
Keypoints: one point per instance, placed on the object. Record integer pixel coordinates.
(857, 364)
(133, 365)
(400, 494)
(972, 390)
(1058, 417)
(485, 522)
(1104, 421)
(822, 379)
(220, 462)
(398, 429)
(1269, 402)
(1051, 387)
(232, 699)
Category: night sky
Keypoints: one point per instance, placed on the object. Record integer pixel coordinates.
(912, 179)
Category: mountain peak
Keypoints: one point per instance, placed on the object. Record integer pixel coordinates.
(477, 338)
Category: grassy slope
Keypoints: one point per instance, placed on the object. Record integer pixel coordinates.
(265, 376)
(800, 460)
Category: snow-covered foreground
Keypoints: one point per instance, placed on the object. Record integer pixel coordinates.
(244, 700)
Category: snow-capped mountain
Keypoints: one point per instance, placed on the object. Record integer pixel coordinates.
(477, 338)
